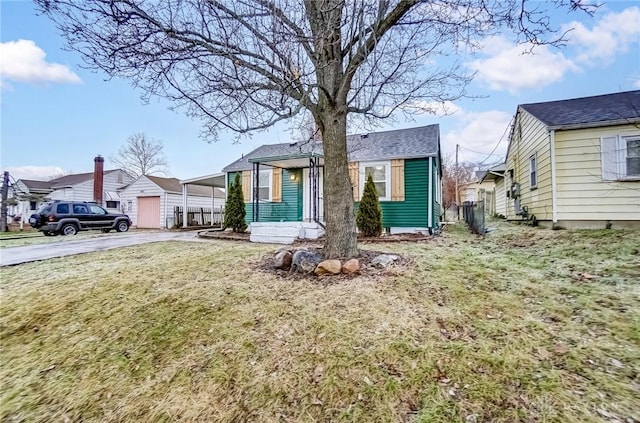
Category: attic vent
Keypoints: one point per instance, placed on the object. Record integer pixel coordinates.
(364, 136)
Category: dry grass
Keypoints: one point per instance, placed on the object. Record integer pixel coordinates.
(528, 325)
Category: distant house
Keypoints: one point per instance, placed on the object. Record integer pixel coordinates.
(100, 186)
(405, 165)
(495, 177)
(576, 162)
(150, 201)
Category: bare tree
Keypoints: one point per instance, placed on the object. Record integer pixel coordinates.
(141, 156)
(244, 65)
(463, 172)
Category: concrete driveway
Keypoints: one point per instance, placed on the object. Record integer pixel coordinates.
(18, 255)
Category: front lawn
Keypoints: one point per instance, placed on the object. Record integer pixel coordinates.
(527, 325)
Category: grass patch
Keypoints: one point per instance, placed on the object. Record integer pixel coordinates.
(525, 325)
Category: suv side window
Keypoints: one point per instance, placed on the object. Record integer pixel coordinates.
(62, 209)
(97, 209)
(80, 209)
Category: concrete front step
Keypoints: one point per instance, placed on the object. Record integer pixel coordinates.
(284, 232)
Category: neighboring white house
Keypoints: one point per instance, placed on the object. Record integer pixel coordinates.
(79, 187)
(28, 195)
(150, 201)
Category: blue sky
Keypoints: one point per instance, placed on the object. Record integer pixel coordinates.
(56, 116)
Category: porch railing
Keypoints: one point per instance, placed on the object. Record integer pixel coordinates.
(199, 216)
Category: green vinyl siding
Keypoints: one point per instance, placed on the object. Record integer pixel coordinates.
(412, 212)
(289, 209)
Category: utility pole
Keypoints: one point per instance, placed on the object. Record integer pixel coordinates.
(457, 172)
(3, 208)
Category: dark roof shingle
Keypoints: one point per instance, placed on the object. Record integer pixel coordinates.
(593, 111)
(423, 141)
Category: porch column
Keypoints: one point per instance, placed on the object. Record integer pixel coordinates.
(213, 203)
(184, 205)
(256, 192)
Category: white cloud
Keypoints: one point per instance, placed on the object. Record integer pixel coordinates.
(480, 132)
(38, 173)
(613, 34)
(24, 61)
(509, 68)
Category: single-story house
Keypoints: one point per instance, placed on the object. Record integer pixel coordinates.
(100, 186)
(576, 163)
(495, 176)
(151, 202)
(405, 165)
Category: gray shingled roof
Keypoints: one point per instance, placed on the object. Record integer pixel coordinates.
(588, 111)
(75, 179)
(37, 185)
(423, 141)
(174, 185)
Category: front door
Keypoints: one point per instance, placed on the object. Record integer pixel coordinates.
(307, 208)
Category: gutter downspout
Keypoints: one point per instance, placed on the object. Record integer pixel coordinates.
(166, 206)
(430, 195)
(554, 188)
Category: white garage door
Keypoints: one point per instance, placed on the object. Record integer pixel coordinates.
(148, 212)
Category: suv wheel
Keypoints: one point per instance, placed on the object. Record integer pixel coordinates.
(122, 226)
(69, 229)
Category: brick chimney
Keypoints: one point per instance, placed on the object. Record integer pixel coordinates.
(98, 179)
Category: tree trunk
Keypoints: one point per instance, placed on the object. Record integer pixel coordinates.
(340, 241)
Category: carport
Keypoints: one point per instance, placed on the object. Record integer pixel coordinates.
(217, 180)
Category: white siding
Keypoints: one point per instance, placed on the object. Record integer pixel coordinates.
(582, 193)
(501, 197)
(530, 136)
(144, 187)
(84, 190)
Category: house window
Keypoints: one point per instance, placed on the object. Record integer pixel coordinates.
(633, 156)
(533, 171)
(264, 185)
(33, 205)
(620, 156)
(380, 173)
(113, 204)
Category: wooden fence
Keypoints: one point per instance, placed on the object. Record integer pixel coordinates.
(199, 216)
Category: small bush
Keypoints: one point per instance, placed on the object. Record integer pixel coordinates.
(369, 219)
(234, 211)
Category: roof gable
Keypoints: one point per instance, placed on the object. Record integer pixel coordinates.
(423, 141)
(601, 110)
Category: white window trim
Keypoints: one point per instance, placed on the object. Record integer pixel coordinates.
(533, 158)
(624, 141)
(620, 157)
(270, 171)
(387, 164)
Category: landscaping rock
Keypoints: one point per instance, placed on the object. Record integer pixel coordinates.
(328, 267)
(384, 260)
(351, 266)
(305, 261)
(283, 260)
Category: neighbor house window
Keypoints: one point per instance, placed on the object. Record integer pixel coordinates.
(633, 156)
(380, 173)
(113, 204)
(264, 184)
(33, 205)
(620, 156)
(533, 171)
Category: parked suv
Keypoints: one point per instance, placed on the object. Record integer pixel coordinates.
(69, 217)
